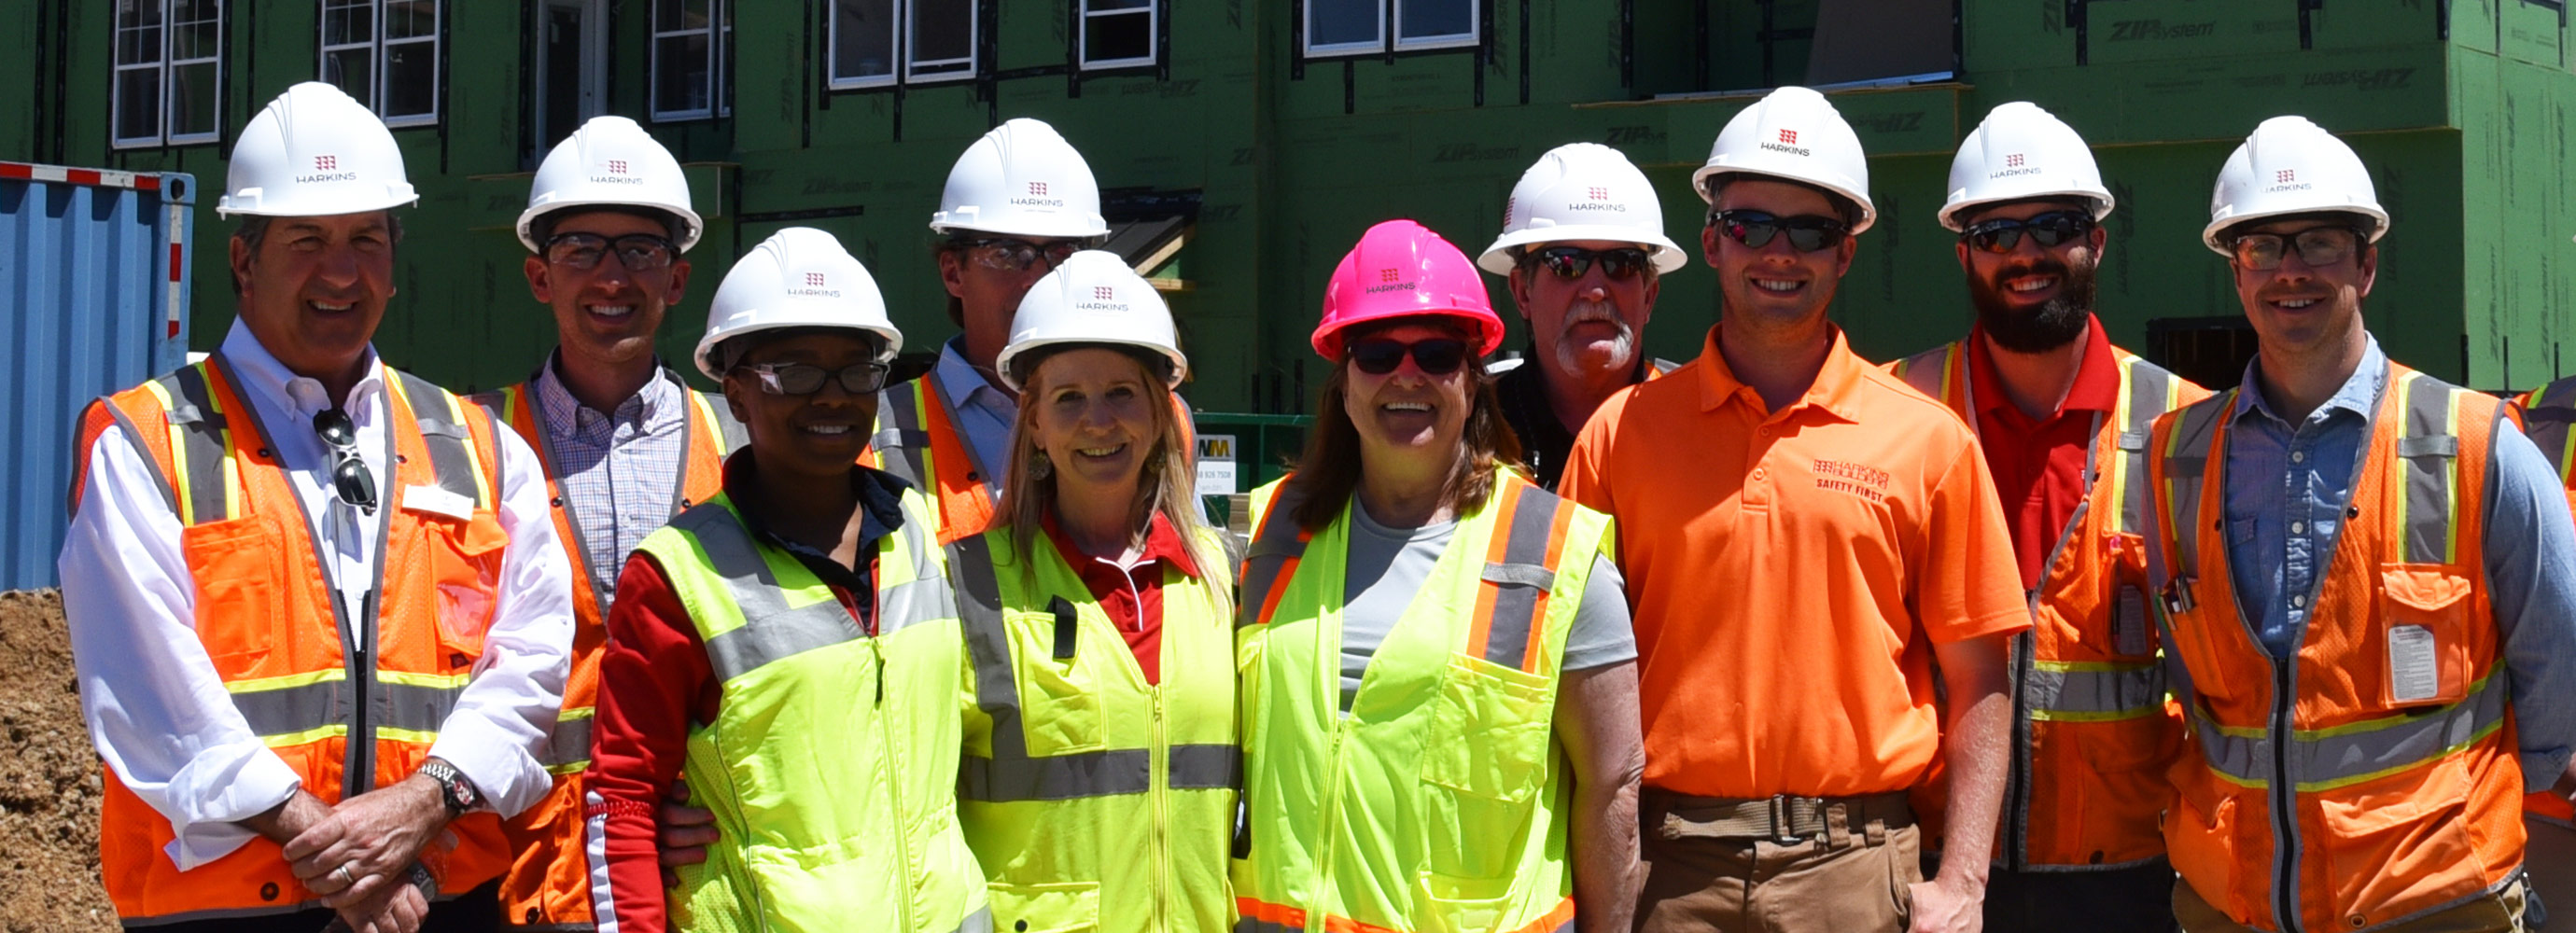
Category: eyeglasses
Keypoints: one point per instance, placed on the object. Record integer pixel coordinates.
(1570, 262)
(807, 379)
(1755, 229)
(1439, 356)
(349, 477)
(639, 252)
(2049, 230)
(1012, 254)
(2317, 246)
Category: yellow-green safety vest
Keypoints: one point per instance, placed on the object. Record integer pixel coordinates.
(832, 761)
(1439, 802)
(1095, 801)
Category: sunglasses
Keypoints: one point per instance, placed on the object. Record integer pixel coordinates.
(1571, 262)
(1438, 356)
(1755, 229)
(1012, 254)
(2317, 246)
(2049, 230)
(349, 477)
(639, 252)
(807, 379)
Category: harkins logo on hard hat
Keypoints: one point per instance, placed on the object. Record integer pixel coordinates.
(1103, 298)
(1599, 194)
(1037, 197)
(1388, 277)
(1600, 201)
(326, 168)
(1037, 187)
(814, 279)
(2013, 165)
(2013, 161)
(617, 166)
(1789, 136)
(1788, 143)
(814, 286)
(1103, 292)
(616, 174)
(2285, 176)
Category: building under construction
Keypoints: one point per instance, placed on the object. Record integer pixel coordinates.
(1243, 145)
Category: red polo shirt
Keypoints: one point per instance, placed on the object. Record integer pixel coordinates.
(1132, 595)
(2038, 463)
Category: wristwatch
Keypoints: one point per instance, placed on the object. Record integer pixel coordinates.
(453, 789)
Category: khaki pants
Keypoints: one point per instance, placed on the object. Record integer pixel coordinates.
(1853, 880)
(2500, 912)
(2551, 864)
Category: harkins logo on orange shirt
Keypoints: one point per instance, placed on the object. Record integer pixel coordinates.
(1859, 479)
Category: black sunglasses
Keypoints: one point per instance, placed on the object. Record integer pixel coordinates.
(1012, 254)
(1755, 229)
(1570, 262)
(1438, 356)
(807, 379)
(349, 477)
(2049, 230)
(2317, 246)
(638, 251)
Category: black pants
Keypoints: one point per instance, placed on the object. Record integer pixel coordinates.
(2124, 900)
(475, 911)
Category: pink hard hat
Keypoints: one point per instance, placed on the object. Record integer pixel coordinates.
(1401, 269)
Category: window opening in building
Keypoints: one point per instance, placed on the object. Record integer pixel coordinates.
(571, 68)
(1345, 27)
(385, 53)
(923, 40)
(1434, 24)
(1365, 27)
(169, 71)
(1118, 33)
(692, 52)
(2210, 351)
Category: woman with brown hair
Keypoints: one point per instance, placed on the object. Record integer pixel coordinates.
(1437, 678)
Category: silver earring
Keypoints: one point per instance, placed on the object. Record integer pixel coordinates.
(1040, 467)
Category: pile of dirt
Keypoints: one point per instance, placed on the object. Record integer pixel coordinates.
(49, 778)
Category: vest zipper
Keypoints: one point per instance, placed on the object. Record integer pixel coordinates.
(361, 776)
(2285, 819)
(1316, 917)
(902, 826)
(1159, 788)
(2017, 774)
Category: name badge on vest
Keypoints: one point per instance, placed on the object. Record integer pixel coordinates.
(2414, 674)
(437, 501)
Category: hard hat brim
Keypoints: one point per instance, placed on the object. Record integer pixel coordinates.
(705, 354)
(696, 227)
(1327, 339)
(226, 206)
(1949, 213)
(1498, 258)
(1002, 361)
(1868, 211)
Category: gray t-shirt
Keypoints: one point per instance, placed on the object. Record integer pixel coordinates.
(1388, 567)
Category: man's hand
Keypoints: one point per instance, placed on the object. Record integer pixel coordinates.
(2567, 783)
(1940, 908)
(364, 846)
(396, 907)
(686, 832)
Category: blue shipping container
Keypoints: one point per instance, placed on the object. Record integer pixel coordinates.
(93, 299)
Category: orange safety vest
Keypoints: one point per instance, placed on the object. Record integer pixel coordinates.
(2092, 728)
(917, 439)
(548, 884)
(2371, 776)
(2545, 413)
(273, 628)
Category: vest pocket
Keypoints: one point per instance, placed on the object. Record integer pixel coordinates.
(465, 569)
(2399, 844)
(1445, 904)
(1483, 758)
(1059, 705)
(2422, 636)
(237, 569)
(2196, 837)
(1069, 907)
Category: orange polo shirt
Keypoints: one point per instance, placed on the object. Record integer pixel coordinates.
(1790, 571)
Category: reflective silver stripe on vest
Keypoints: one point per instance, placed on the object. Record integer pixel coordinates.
(2186, 456)
(306, 707)
(1522, 575)
(448, 441)
(1278, 541)
(2326, 759)
(202, 436)
(770, 630)
(2428, 445)
(1204, 767)
(568, 745)
(904, 446)
(2547, 420)
(2150, 391)
(2092, 692)
(1002, 779)
(981, 921)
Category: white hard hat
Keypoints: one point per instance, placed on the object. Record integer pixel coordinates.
(1582, 191)
(2290, 166)
(314, 152)
(610, 161)
(1021, 179)
(799, 277)
(1792, 133)
(2022, 152)
(1092, 297)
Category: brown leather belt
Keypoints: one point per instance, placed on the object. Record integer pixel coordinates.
(1783, 819)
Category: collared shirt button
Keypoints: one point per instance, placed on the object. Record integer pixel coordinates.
(2298, 599)
(1760, 474)
(2298, 528)
(2298, 456)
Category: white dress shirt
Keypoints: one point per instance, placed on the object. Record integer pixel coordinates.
(158, 711)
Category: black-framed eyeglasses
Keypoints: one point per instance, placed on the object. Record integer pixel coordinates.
(1438, 356)
(1012, 254)
(1571, 262)
(2317, 246)
(639, 252)
(1755, 229)
(2049, 230)
(350, 479)
(807, 378)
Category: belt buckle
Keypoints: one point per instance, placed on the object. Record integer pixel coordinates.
(1783, 828)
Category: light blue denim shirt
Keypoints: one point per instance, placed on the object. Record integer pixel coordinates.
(2287, 487)
(984, 414)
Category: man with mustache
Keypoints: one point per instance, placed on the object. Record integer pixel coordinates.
(1583, 242)
(2367, 580)
(2050, 400)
